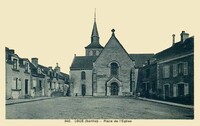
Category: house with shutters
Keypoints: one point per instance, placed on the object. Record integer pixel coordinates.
(25, 79)
(18, 75)
(105, 70)
(175, 70)
(47, 81)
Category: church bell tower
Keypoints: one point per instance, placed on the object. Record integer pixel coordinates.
(94, 48)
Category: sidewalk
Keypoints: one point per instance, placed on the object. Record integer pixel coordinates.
(17, 101)
(167, 103)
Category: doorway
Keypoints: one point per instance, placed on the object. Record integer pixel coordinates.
(167, 91)
(180, 90)
(114, 88)
(83, 89)
(26, 86)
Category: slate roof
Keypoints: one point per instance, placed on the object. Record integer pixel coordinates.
(45, 71)
(9, 53)
(95, 34)
(94, 45)
(65, 75)
(94, 30)
(86, 62)
(140, 59)
(34, 71)
(177, 49)
(83, 62)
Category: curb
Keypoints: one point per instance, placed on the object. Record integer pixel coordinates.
(168, 103)
(29, 101)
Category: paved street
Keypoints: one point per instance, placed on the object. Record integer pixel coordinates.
(95, 108)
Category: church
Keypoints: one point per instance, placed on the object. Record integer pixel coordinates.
(105, 70)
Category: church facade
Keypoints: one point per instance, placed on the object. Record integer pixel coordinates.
(105, 71)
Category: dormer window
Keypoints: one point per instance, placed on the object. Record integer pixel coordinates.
(15, 64)
(39, 71)
(51, 74)
(26, 66)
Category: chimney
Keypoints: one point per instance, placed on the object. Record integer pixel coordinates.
(12, 51)
(148, 62)
(134, 62)
(57, 68)
(34, 61)
(184, 36)
(173, 39)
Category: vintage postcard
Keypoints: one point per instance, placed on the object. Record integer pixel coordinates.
(99, 62)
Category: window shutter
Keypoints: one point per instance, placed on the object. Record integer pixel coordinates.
(52, 85)
(163, 72)
(34, 83)
(174, 90)
(186, 89)
(166, 71)
(19, 86)
(185, 68)
(175, 70)
(14, 83)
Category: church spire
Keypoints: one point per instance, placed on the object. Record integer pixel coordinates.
(94, 48)
(95, 15)
(95, 35)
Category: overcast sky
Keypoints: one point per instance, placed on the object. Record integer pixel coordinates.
(55, 30)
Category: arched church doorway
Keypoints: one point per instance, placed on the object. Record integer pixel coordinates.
(83, 90)
(114, 88)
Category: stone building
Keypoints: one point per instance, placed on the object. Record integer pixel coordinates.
(171, 74)
(17, 75)
(105, 71)
(147, 80)
(26, 79)
(47, 81)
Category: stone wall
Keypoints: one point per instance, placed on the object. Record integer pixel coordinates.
(113, 52)
(77, 82)
(11, 76)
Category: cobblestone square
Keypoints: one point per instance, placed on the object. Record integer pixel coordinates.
(96, 108)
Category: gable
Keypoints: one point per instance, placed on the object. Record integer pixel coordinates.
(113, 51)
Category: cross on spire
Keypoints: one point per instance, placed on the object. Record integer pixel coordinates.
(95, 14)
(113, 31)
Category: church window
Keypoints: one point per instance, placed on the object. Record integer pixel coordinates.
(97, 53)
(94, 52)
(83, 75)
(114, 69)
(90, 53)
